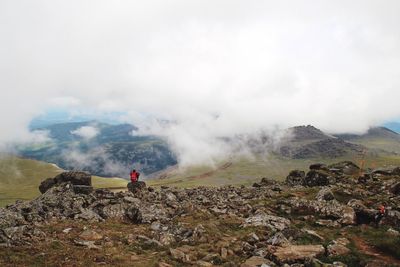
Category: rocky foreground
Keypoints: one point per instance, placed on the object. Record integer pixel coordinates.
(325, 217)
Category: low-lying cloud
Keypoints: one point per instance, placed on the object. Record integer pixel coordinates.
(86, 132)
(214, 69)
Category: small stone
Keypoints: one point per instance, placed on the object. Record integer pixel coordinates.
(337, 250)
(67, 230)
(90, 235)
(224, 253)
(325, 194)
(88, 244)
(203, 264)
(155, 226)
(163, 264)
(255, 261)
(313, 233)
(177, 254)
(296, 253)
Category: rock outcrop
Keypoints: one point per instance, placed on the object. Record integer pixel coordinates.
(268, 218)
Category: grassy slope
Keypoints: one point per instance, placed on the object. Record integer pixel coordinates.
(246, 171)
(379, 143)
(20, 178)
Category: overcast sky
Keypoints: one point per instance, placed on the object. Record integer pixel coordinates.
(216, 68)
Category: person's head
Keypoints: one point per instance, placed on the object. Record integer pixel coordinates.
(133, 170)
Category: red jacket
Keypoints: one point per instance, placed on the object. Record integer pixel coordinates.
(134, 176)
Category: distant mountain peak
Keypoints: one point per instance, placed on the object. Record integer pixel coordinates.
(307, 132)
(382, 131)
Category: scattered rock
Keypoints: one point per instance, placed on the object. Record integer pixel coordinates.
(338, 247)
(395, 189)
(82, 189)
(256, 261)
(393, 232)
(318, 166)
(136, 187)
(270, 221)
(325, 194)
(178, 255)
(314, 234)
(295, 177)
(46, 185)
(345, 167)
(90, 235)
(318, 178)
(296, 253)
(67, 230)
(88, 244)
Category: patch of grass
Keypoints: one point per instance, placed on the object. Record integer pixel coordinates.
(245, 171)
(20, 178)
(381, 240)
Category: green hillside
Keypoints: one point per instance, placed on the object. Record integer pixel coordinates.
(20, 178)
(111, 146)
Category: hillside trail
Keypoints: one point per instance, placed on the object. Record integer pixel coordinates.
(369, 250)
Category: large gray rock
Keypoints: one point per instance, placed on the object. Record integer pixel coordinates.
(136, 187)
(46, 185)
(324, 209)
(83, 189)
(325, 194)
(271, 221)
(318, 178)
(345, 167)
(395, 189)
(77, 178)
(295, 177)
(296, 253)
(74, 177)
(364, 215)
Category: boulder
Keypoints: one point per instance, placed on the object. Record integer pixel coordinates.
(329, 210)
(268, 181)
(46, 185)
(296, 253)
(271, 221)
(74, 177)
(278, 239)
(364, 215)
(318, 166)
(345, 167)
(325, 194)
(134, 215)
(77, 178)
(295, 177)
(391, 218)
(338, 247)
(90, 235)
(257, 261)
(395, 188)
(82, 189)
(136, 187)
(318, 178)
(348, 216)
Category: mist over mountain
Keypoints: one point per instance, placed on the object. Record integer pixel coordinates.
(100, 148)
(215, 70)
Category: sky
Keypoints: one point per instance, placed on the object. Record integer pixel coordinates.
(213, 68)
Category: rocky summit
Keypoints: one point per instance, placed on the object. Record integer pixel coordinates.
(326, 216)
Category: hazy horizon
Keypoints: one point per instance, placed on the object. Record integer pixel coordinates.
(212, 68)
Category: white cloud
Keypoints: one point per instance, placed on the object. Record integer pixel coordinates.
(86, 132)
(214, 68)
